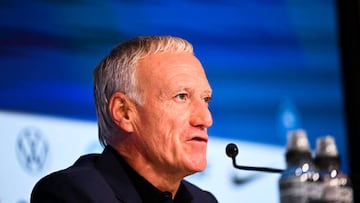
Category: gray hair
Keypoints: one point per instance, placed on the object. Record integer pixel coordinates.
(117, 73)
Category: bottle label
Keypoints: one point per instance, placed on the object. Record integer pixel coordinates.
(295, 190)
(337, 194)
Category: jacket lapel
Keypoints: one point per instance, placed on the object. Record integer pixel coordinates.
(114, 174)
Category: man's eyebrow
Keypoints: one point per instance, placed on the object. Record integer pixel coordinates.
(208, 91)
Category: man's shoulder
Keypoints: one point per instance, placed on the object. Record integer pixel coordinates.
(81, 178)
(82, 168)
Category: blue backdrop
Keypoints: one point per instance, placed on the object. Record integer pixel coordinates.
(273, 65)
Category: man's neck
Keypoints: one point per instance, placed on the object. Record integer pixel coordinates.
(161, 178)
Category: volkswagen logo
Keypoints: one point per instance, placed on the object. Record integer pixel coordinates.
(32, 149)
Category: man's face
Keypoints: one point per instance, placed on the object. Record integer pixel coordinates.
(173, 120)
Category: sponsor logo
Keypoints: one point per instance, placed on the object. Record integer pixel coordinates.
(32, 149)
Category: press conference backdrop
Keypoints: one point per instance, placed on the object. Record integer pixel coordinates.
(274, 66)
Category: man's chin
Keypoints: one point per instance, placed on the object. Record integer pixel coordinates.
(197, 167)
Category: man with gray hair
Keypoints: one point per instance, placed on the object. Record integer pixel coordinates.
(152, 98)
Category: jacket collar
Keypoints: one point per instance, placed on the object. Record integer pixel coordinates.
(113, 172)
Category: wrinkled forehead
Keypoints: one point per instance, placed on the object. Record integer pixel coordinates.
(167, 62)
(169, 68)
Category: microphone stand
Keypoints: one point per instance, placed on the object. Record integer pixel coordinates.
(232, 151)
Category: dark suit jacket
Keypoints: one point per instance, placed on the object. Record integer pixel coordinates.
(97, 178)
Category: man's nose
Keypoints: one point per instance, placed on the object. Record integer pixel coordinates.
(201, 115)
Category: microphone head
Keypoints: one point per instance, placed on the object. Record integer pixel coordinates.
(231, 150)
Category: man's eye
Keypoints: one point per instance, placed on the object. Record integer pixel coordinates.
(181, 96)
(207, 99)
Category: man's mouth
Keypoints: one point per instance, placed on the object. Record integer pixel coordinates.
(201, 139)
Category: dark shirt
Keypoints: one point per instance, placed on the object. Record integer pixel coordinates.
(149, 193)
(107, 178)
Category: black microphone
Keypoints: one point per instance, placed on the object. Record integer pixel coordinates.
(232, 151)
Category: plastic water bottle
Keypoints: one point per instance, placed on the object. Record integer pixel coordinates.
(336, 185)
(297, 183)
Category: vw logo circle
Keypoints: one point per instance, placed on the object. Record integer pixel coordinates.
(32, 149)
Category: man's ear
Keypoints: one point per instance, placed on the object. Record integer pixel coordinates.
(119, 108)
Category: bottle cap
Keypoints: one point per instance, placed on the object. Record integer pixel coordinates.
(298, 141)
(325, 146)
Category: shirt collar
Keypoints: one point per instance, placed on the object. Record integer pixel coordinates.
(149, 193)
